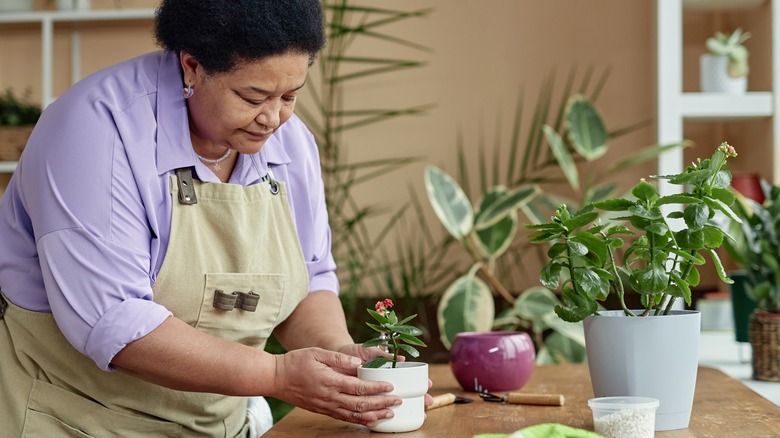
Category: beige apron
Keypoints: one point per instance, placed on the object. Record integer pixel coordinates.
(234, 269)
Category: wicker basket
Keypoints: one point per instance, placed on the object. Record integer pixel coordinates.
(12, 141)
(765, 339)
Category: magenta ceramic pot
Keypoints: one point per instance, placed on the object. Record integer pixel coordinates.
(497, 361)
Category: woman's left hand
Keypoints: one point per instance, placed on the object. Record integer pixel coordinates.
(365, 354)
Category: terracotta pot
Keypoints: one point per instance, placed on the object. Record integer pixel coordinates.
(496, 361)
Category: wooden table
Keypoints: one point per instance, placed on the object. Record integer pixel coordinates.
(723, 407)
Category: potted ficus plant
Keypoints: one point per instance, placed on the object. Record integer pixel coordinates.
(725, 68)
(652, 351)
(409, 379)
(756, 249)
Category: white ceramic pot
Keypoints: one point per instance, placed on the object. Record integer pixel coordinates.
(410, 382)
(73, 5)
(714, 76)
(653, 356)
(16, 5)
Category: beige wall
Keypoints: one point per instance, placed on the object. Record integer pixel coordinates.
(484, 52)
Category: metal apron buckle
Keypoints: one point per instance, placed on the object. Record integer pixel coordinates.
(3, 306)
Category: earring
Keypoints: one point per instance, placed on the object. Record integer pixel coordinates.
(188, 91)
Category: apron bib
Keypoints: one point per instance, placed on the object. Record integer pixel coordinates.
(234, 269)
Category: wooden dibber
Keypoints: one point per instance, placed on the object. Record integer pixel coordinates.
(447, 399)
(520, 398)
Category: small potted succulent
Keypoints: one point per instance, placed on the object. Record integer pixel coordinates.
(652, 351)
(409, 379)
(725, 68)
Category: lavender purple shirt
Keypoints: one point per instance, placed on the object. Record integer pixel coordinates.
(85, 220)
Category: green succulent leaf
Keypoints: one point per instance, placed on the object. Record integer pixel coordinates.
(696, 215)
(615, 204)
(650, 280)
(550, 275)
(719, 266)
(596, 246)
(408, 330)
(645, 191)
(577, 248)
(409, 349)
(409, 339)
(678, 199)
(376, 362)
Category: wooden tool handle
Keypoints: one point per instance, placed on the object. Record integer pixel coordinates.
(442, 400)
(535, 399)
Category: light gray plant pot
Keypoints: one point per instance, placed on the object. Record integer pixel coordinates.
(654, 356)
(714, 76)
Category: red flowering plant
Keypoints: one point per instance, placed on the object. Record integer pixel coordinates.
(394, 335)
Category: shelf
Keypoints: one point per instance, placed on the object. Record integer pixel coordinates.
(722, 4)
(725, 106)
(7, 166)
(76, 16)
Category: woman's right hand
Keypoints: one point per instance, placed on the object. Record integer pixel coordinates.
(325, 382)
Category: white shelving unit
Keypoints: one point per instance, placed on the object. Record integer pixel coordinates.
(47, 21)
(674, 106)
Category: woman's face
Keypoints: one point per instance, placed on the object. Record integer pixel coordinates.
(240, 109)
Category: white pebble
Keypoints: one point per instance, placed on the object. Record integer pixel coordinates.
(627, 423)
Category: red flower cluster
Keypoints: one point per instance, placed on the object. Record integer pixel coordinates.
(382, 306)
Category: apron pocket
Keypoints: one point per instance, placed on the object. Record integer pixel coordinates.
(53, 411)
(247, 327)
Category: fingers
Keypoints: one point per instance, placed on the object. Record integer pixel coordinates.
(323, 381)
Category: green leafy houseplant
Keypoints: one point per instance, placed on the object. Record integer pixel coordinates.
(394, 336)
(755, 246)
(731, 46)
(575, 136)
(17, 111)
(756, 250)
(660, 263)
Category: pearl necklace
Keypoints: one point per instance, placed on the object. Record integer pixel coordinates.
(216, 162)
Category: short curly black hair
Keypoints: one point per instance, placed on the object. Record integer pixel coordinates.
(219, 33)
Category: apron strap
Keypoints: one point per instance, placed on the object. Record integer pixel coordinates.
(3, 305)
(186, 189)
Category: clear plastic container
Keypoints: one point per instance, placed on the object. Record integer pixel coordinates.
(624, 417)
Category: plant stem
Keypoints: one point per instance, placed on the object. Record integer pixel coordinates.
(486, 274)
(618, 281)
(395, 348)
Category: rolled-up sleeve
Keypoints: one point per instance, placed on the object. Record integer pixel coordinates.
(90, 210)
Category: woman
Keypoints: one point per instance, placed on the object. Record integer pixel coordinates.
(168, 215)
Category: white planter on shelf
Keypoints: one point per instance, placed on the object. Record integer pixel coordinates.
(410, 382)
(714, 76)
(16, 5)
(73, 5)
(649, 356)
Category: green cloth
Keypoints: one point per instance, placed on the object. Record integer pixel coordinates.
(547, 430)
